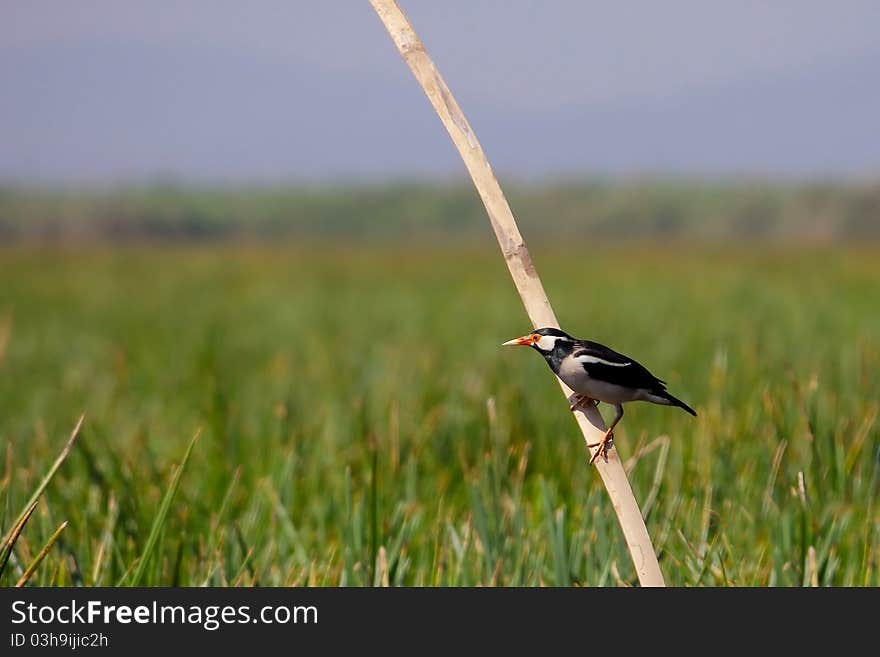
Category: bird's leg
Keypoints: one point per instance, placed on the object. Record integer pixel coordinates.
(607, 438)
(580, 400)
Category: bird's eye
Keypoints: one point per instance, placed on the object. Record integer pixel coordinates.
(535, 337)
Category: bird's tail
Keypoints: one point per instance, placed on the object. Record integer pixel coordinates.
(675, 401)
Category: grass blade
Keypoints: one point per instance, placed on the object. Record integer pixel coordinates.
(49, 475)
(106, 540)
(159, 522)
(31, 569)
(9, 542)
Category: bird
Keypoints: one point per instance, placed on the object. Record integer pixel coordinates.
(597, 373)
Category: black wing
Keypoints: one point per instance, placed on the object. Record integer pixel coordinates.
(605, 364)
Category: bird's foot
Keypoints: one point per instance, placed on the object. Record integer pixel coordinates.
(580, 400)
(603, 445)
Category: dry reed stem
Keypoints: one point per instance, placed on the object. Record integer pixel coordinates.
(526, 279)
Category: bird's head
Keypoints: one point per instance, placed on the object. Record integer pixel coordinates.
(544, 340)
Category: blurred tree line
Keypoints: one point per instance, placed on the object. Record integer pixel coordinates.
(418, 211)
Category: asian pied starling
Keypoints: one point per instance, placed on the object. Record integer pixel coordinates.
(597, 373)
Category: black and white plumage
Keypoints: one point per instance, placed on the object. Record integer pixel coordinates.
(597, 373)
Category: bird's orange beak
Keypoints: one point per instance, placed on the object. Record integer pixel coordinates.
(524, 341)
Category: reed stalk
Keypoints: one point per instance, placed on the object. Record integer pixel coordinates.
(523, 272)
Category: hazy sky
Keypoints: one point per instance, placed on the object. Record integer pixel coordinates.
(114, 91)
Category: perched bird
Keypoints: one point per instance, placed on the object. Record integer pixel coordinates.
(597, 373)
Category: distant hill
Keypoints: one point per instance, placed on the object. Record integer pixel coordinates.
(421, 211)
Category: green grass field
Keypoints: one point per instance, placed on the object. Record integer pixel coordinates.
(361, 425)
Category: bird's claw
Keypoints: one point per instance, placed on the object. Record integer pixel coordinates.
(603, 445)
(579, 400)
